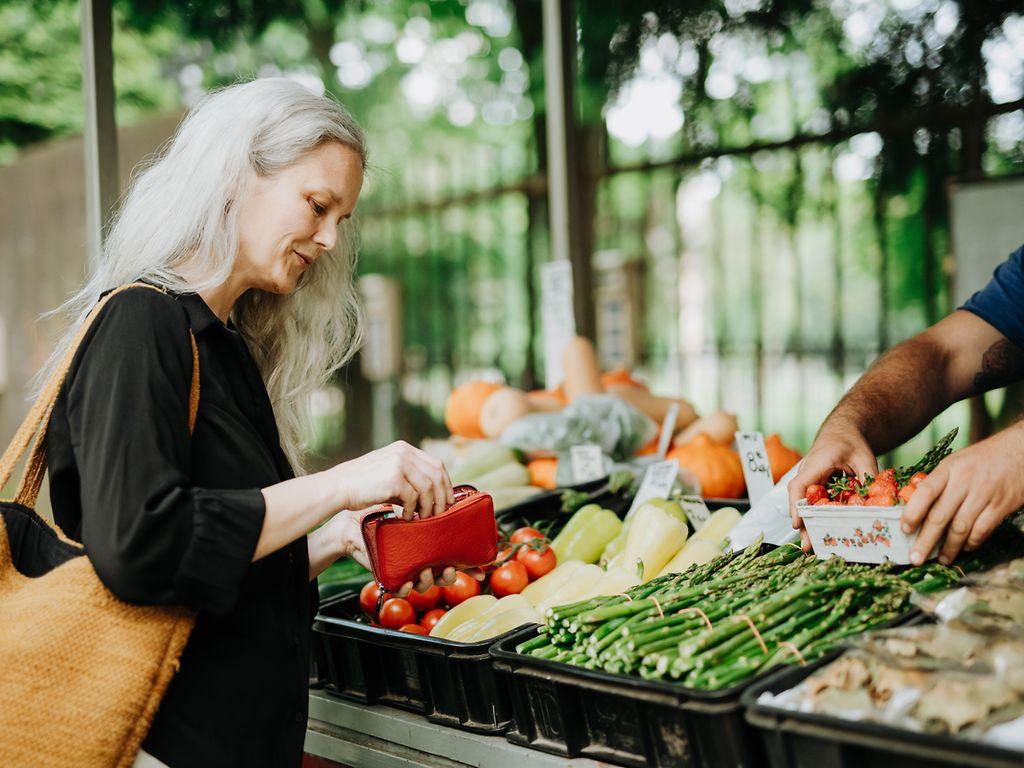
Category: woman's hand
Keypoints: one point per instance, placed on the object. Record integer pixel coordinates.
(342, 536)
(967, 496)
(837, 447)
(397, 474)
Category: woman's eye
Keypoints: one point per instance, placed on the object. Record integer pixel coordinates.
(317, 208)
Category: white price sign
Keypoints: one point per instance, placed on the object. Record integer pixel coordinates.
(657, 483)
(696, 510)
(756, 470)
(668, 427)
(587, 463)
(558, 320)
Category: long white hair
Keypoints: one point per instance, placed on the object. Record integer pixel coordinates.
(180, 213)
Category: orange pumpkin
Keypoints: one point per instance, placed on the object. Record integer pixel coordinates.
(542, 473)
(652, 447)
(462, 412)
(716, 466)
(620, 376)
(781, 458)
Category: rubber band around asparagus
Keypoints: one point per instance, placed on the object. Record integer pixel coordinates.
(959, 570)
(622, 594)
(750, 623)
(657, 605)
(695, 609)
(795, 650)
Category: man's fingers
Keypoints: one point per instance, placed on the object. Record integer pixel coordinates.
(959, 528)
(936, 522)
(983, 527)
(805, 540)
(924, 497)
(864, 464)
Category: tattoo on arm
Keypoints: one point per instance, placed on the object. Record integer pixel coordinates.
(1002, 364)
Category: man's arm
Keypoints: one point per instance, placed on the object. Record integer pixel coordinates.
(960, 356)
(913, 382)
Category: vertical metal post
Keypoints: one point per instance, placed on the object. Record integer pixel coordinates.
(563, 169)
(100, 135)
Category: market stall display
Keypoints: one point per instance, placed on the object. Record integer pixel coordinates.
(949, 691)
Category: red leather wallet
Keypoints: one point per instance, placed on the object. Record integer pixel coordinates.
(463, 536)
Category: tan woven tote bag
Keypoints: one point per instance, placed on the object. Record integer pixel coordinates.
(81, 672)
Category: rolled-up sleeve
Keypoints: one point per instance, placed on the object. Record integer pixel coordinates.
(152, 537)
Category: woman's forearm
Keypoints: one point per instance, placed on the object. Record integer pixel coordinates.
(296, 506)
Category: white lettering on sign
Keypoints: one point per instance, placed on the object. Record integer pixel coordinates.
(756, 470)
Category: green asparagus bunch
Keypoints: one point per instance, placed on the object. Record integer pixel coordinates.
(717, 624)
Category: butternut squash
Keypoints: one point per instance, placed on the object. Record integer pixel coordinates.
(582, 373)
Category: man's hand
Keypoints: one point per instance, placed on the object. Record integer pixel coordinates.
(967, 496)
(838, 447)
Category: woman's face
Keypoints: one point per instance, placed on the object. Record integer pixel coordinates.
(289, 219)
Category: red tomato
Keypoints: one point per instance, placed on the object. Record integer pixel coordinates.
(537, 561)
(465, 587)
(424, 601)
(510, 579)
(396, 613)
(368, 596)
(414, 629)
(430, 618)
(525, 535)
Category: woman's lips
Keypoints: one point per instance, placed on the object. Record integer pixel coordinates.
(302, 258)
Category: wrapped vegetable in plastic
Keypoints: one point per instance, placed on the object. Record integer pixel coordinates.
(586, 534)
(604, 420)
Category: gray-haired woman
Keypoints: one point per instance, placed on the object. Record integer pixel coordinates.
(244, 221)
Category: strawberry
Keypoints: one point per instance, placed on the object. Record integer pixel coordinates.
(816, 494)
(856, 500)
(906, 492)
(916, 478)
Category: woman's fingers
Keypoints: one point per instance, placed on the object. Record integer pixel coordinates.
(446, 578)
(426, 580)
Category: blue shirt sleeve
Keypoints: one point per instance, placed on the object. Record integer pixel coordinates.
(1001, 302)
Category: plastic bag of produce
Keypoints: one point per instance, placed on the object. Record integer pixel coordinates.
(604, 420)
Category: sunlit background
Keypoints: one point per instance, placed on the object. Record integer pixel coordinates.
(767, 181)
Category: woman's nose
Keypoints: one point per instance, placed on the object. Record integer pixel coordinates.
(327, 236)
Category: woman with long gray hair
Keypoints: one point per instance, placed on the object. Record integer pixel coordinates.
(244, 224)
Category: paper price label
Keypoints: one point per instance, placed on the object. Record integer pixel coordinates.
(696, 510)
(587, 463)
(657, 483)
(558, 321)
(668, 426)
(756, 469)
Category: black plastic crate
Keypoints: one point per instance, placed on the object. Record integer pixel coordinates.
(451, 683)
(806, 740)
(626, 720)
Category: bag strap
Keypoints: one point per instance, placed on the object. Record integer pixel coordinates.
(38, 418)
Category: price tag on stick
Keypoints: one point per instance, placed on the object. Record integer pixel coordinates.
(587, 463)
(558, 321)
(657, 483)
(668, 427)
(696, 510)
(756, 470)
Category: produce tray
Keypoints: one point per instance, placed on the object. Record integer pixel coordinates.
(807, 740)
(451, 683)
(626, 720)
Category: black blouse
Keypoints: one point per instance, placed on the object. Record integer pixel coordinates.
(170, 519)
